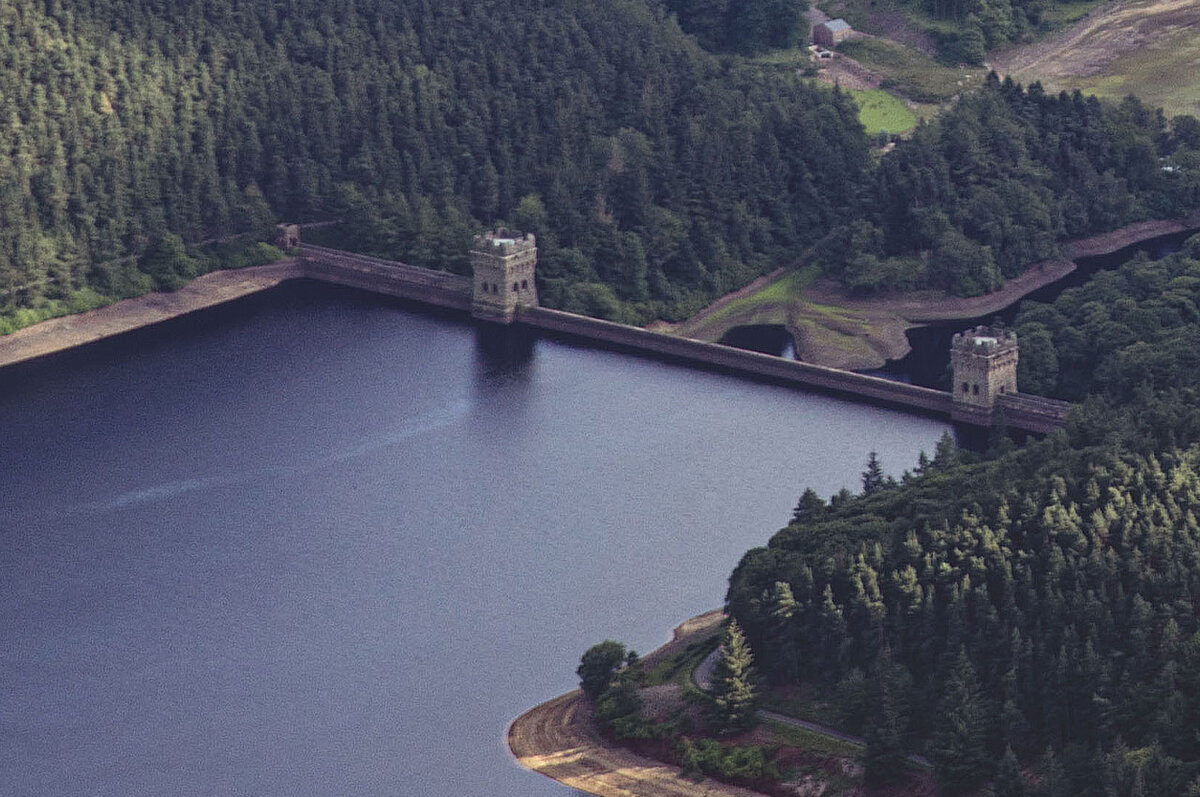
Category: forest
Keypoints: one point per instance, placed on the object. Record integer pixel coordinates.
(1000, 178)
(968, 28)
(656, 175)
(1026, 617)
(659, 166)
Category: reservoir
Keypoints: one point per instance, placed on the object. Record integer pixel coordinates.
(316, 543)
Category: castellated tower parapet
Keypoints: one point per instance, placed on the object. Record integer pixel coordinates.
(983, 362)
(503, 264)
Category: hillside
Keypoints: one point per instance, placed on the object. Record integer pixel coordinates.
(1027, 615)
(1148, 48)
(655, 174)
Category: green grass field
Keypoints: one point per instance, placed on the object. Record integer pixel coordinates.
(878, 110)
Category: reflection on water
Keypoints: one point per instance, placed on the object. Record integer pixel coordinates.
(763, 338)
(504, 350)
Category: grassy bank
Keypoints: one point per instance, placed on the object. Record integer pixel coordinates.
(1147, 48)
(1165, 74)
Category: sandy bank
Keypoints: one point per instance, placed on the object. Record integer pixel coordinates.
(59, 334)
(558, 740)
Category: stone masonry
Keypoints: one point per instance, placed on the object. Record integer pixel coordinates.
(503, 264)
(983, 362)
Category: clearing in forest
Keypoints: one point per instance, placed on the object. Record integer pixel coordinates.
(1148, 48)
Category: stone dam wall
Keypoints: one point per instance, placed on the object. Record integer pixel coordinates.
(738, 361)
(388, 277)
(453, 292)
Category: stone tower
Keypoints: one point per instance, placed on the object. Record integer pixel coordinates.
(287, 236)
(983, 362)
(503, 264)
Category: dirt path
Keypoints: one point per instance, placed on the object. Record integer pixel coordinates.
(1095, 41)
(558, 740)
(59, 334)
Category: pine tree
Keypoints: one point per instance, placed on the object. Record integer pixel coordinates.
(884, 759)
(872, 477)
(783, 631)
(945, 453)
(735, 691)
(1009, 780)
(960, 758)
(808, 507)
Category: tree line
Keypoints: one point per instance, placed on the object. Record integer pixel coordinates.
(994, 184)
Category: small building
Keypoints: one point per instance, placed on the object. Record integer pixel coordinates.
(984, 366)
(503, 263)
(831, 33)
(287, 236)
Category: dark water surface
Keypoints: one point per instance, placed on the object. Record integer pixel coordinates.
(313, 544)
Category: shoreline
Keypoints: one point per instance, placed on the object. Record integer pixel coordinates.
(558, 739)
(70, 331)
(832, 328)
(872, 327)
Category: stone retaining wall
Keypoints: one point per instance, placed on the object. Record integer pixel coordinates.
(727, 358)
(391, 278)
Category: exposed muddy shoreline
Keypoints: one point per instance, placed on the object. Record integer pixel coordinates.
(67, 332)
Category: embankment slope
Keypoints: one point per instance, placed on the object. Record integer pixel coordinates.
(59, 334)
(836, 329)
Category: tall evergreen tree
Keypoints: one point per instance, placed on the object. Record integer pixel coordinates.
(960, 758)
(1009, 780)
(735, 688)
(808, 507)
(872, 477)
(884, 758)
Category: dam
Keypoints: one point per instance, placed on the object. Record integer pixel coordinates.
(502, 290)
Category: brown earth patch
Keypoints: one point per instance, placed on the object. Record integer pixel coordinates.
(845, 72)
(892, 24)
(1094, 42)
(559, 740)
